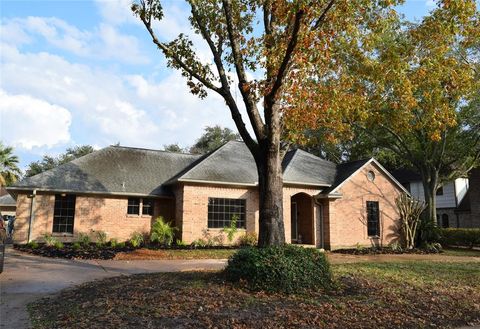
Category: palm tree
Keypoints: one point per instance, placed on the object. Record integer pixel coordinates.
(9, 171)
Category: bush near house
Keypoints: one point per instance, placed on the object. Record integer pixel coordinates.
(287, 269)
(467, 237)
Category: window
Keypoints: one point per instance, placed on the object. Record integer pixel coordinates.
(133, 206)
(63, 213)
(440, 190)
(221, 212)
(373, 218)
(147, 208)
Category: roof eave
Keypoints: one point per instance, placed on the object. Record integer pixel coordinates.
(30, 188)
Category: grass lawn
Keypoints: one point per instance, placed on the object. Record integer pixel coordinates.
(176, 254)
(461, 252)
(416, 294)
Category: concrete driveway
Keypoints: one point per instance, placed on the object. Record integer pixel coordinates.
(27, 277)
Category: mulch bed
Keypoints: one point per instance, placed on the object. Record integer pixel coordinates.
(204, 300)
(382, 251)
(90, 252)
(105, 252)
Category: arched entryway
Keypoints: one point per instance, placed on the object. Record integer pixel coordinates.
(302, 228)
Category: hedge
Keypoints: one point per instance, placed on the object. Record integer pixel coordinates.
(467, 237)
(286, 269)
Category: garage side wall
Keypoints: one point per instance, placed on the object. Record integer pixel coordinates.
(347, 221)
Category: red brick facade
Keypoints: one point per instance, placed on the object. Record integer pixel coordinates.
(342, 221)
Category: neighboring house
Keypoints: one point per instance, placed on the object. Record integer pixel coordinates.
(122, 190)
(452, 198)
(469, 208)
(8, 205)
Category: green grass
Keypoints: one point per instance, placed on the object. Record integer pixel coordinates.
(419, 273)
(464, 252)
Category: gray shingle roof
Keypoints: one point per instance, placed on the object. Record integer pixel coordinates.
(133, 171)
(7, 200)
(114, 169)
(230, 163)
(303, 167)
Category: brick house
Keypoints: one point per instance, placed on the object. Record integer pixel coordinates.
(122, 190)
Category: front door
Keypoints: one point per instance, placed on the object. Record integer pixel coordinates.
(294, 221)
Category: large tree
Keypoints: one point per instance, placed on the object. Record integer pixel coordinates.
(419, 84)
(9, 171)
(266, 49)
(212, 138)
(48, 162)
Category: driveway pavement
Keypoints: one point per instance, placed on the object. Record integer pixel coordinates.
(27, 277)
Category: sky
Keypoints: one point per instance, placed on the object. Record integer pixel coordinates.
(86, 72)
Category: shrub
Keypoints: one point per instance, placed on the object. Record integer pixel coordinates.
(84, 239)
(180, 243)
(58, 244)
(231, 229)
(199, 243)
(287, 269)
(434, 247)
(120, 245)
(76, 245)
(49, 240)
(137, 239)
(32, 245)
(427, 232)
(101, 238)
(396, 246)
(468, 237)
(162, 232)
(249, 239)
(113, 243)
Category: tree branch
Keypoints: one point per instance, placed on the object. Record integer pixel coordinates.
(321, 19)
(249, 100)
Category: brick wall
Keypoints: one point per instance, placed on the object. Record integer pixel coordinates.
(92, 214)
(348, 215)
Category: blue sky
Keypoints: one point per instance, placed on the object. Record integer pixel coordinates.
(86, 72)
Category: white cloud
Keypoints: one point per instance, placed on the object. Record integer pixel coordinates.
(108, 107)
(28, 122)
(102, 42)
(430, 3)
(117, 12)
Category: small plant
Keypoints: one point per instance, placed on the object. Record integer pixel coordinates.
(76, 245)
(162, 232)
(232, 229)
(396, 246)
(113, 243)
(49, 240)
(180, 243)
(101, 238)
(137, 239)
(433, 247)
(121, 245)
(249, 239)
(359, 247)
(58, 245)
(84, 239)
(199, 243)
(32, 245)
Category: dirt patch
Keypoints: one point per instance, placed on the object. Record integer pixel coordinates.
(68, 251)
(204, 300)
(148, 254)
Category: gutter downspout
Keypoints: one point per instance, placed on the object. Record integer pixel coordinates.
(322, 236)
(32, 214)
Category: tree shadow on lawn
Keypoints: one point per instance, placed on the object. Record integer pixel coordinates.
(205, 300)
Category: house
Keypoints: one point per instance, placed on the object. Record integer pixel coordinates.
(121, 190)
(454, 199)
(7, 205)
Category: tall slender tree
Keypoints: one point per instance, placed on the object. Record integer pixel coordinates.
(9, 170)
(282, 43)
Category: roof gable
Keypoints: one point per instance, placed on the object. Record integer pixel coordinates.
(300, 167)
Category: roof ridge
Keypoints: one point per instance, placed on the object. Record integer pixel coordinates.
(148, 149)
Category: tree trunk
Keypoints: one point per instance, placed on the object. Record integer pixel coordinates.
(270, 188)
(429, 181)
